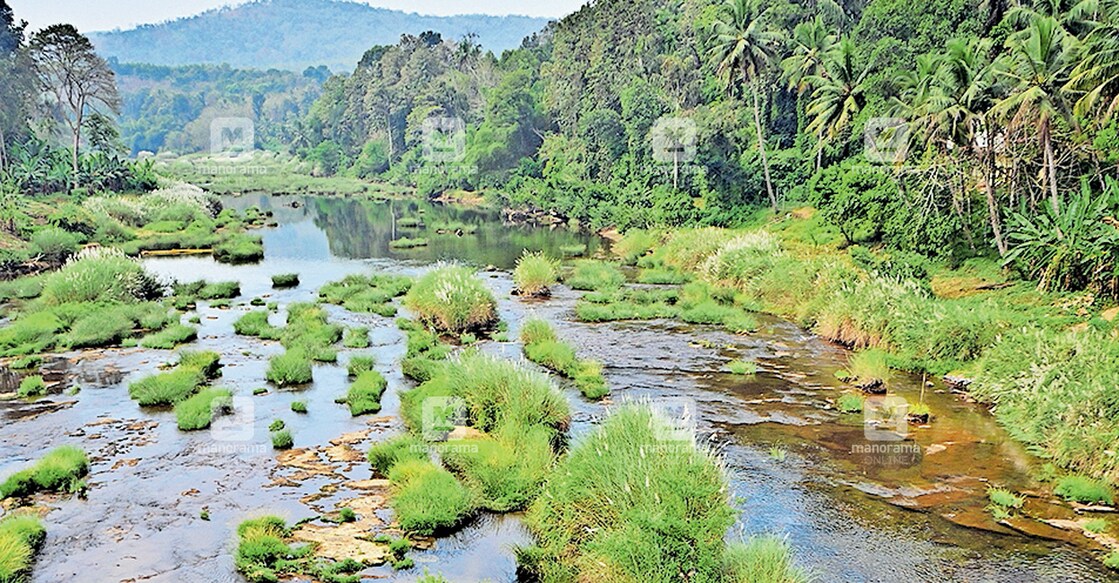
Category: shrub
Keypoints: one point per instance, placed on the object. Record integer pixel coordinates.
(427, 499)
(285, 280)
(32, 386)
(282, 439)
(359, 364)
(1085, 490)
(762, 559)
(289, 369)
(99, 275)
(364, 395)
(198, 411)
(535, 273)
(60, 470)
(452, 300)
(591, 275)
(239, 248)
(170, 337)
(593, 515)
(53, 244)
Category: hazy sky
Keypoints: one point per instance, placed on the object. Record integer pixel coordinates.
(89, 15)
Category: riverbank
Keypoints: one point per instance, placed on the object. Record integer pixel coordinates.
(998, 339)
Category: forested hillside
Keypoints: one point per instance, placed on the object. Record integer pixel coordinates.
(295, 34)
(170, 108)
(990, 125)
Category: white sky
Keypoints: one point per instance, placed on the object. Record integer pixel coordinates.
(92, 15)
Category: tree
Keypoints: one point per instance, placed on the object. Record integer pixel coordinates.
(1039, 66)
(743, 50)
(840, 92)
(78, 79)
(17, 83)
(1097, 74)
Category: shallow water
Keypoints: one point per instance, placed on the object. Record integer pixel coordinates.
(850, 516)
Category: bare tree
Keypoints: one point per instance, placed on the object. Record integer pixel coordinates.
(77, 77)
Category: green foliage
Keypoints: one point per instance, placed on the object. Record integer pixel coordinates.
(256, 324)
(371, 294)
(616, 479)
(741, 367)
(359, 364)
(21, 536)
(1084, 489)
(1004, 498)
(591, 275)
(283, 280)
(198, 411)
(289, 369)
(356, 337)
(386, 454)
(282, 439)
(364, 394)
(543, 347)
(31, 386)
(850, 403)
(170, 337)
(222, 290)
(451, 299)
(240, 248)
(298, 407)
(167, 388)
(535, 273)
(60, 470)
(427, 499)
(762, 559)
(99, 275)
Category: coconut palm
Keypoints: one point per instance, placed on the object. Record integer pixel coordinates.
(811, 41)
(840, 92)
(743, 50)
(1097, 74)
(1039, 66)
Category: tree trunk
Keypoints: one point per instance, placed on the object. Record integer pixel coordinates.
(1051, 166)
(77, 142)
(761, 149)
(992, 202)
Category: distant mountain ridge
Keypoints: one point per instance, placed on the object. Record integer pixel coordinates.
(295, 34)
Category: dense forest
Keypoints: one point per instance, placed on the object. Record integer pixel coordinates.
(170, 108)
(296, 34)
(994, 120)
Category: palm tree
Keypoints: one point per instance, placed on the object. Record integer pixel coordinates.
(742, 50)
(966, 89)
(811, 42)
(1097, 74)
(1039, 66)
(839, 94)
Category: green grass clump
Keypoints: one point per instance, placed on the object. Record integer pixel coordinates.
(222, 290)
(282, 439)
(298, 407)
(668, 276)
(256, 324)
(309, 332)
(359, 364)
(170, 337)
(535, 273)
(543, 347)
(21, 536)
(1112, 560)
(868, 366)
(289, 369)
(263, 551)
(99, 275)
(427, 499)
(364, 395)
(372, 294)
(762, 559)
(31, 386)
(508, 470)
(591, 275)
(282, 280)
(165, 389)
(198, 411)
(742, 367)
(636, 244)
(850, 403)
(1096, 525)
(60, 470)
(594, 515)
(625, 310)
(1005, 498)
(386, 454)
(1085, 490)
(240, 248)
(573, 250)
(356, 337)
(206, 362)
(452, 300)
(406, 243)
(276, 425)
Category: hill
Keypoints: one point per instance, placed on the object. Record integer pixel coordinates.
(295, 34)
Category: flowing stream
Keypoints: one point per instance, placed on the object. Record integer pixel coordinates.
(798, 467)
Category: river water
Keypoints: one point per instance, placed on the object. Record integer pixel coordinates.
(798, 468)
